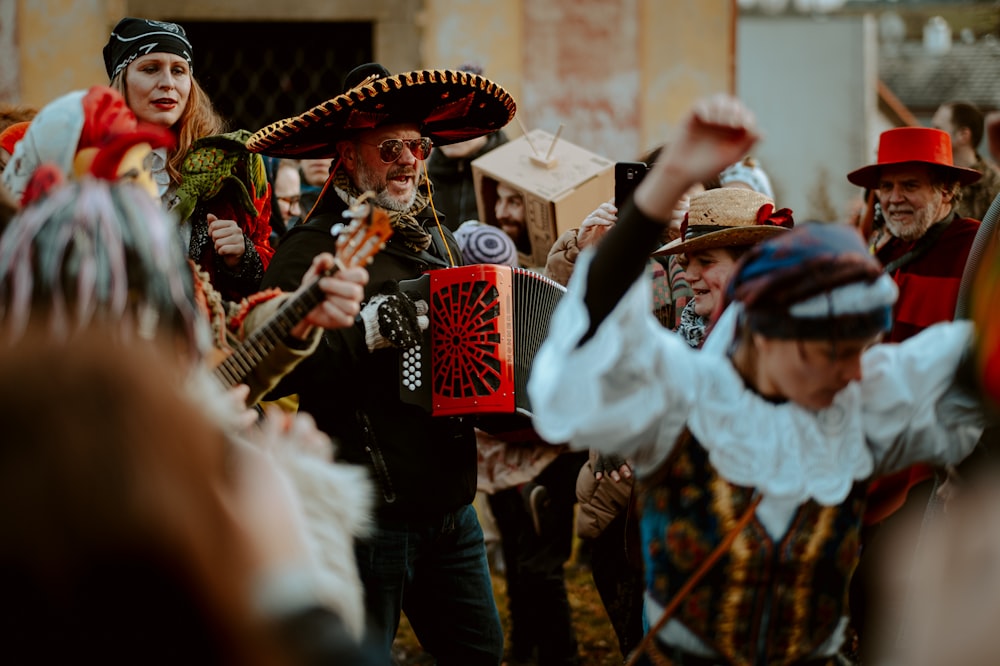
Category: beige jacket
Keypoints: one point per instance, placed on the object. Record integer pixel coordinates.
(562, 257)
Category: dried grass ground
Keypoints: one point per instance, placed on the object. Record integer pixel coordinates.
(597, 643)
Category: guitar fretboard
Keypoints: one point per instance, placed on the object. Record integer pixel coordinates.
(238, 365)
(356, 245)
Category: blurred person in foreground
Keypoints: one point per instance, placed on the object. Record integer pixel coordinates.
(92, 254)
(127, 532)
(951, 610)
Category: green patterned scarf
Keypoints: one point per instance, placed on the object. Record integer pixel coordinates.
(214, 161)
(405, 224)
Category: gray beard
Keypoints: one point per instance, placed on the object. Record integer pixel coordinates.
(384, 200)
(367, 180)
(910, 232)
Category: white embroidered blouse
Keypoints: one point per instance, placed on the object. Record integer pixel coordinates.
(632, 387)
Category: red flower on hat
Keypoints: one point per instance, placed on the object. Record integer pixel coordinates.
(684, 225)
(781, 218)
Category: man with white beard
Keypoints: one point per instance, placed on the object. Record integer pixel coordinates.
(923, 243)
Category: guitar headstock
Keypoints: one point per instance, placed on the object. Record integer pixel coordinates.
(366, 233)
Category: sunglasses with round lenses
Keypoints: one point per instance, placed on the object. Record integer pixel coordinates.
(390, 149)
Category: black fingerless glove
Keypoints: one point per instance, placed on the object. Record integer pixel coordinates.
(392, 320)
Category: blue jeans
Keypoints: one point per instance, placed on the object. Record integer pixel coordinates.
(436, 572)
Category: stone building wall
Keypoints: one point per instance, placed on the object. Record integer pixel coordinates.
(617, 73)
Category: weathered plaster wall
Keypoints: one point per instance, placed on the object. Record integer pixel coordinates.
(10, 73)
(582, 68)
(687, 52)
(486, 32)
(618, 73)
(59, 43)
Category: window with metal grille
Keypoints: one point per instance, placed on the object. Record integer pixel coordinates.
(257, 73)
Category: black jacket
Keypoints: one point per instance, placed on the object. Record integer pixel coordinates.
(424, 466)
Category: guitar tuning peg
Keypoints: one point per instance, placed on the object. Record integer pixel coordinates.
(358, 211)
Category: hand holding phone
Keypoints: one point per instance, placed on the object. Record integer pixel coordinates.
(595, 225)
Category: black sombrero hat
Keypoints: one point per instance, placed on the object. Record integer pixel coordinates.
(450, 106)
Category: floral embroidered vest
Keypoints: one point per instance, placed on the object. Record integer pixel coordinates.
(762, 602)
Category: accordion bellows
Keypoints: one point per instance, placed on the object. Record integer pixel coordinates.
(486, 325)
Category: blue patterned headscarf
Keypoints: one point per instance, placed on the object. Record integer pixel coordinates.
(818, 281)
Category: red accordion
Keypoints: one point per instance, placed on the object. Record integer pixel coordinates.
(486, 324)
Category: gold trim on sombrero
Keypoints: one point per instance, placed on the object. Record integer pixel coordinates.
(463, 95)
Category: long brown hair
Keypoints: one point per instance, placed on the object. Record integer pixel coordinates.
(198, 120)
(117, 542)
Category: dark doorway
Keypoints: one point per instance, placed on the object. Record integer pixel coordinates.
(256, 73)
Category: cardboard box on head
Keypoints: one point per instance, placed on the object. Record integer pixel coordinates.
(558, 185)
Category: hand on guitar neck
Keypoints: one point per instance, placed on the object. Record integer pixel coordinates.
(330, 295)
(342, 279)
(343, 292)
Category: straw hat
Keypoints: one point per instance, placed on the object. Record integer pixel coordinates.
(449, 106)
(923, 145)
(728, 217)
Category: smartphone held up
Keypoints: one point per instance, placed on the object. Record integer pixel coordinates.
(628, 175)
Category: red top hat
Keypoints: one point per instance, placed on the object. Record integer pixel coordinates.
(925, 145)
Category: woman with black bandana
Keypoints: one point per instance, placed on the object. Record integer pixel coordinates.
(217, 189)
